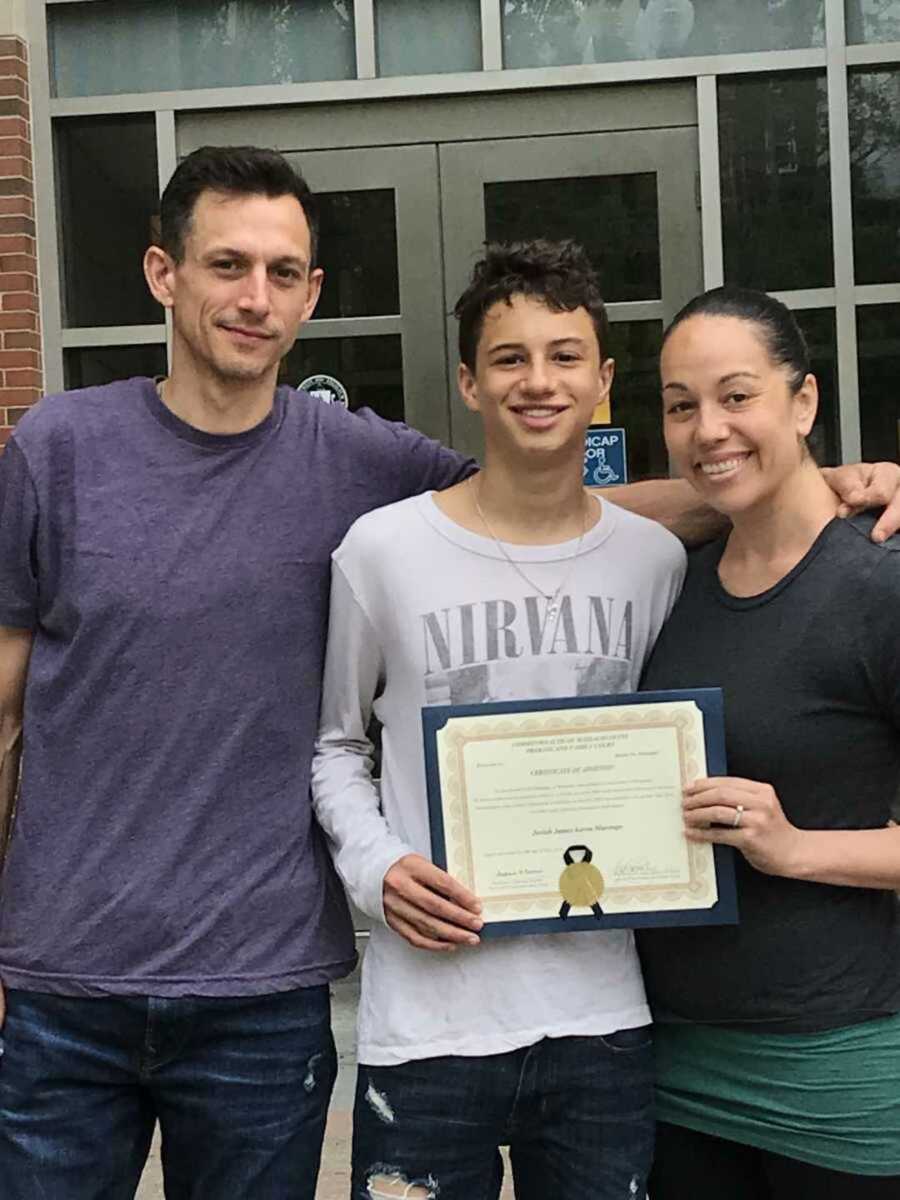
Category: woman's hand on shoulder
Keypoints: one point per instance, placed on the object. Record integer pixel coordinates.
(868, 485)
(747, 815)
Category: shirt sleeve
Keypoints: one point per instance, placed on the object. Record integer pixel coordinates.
(18, 534)
(345, 795)
(409, 463)
(666, 581)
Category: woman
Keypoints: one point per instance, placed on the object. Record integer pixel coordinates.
(778, 1040)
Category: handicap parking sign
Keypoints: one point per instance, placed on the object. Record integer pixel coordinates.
(605, 463)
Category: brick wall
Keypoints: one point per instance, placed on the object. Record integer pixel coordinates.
(20, 337)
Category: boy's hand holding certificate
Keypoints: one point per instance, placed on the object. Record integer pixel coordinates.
(567, 814)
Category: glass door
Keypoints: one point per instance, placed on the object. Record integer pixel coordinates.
(378, 328)
(631, 199)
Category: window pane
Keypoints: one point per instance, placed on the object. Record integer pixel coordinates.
(370, 368)
(109, 193)
(358, 247)
(103, 364)
(873, 21)
(878, 332)
(424, 36)
(614, 217)
(162, 45)
(875, 162)
(776, 191)
(546, 33)
(636, 404)
(820, 331)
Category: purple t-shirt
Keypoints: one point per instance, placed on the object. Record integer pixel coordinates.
(177, 585)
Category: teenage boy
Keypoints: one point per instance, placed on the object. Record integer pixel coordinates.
(491, 589)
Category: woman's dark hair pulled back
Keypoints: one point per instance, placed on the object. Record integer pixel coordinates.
(775, 322)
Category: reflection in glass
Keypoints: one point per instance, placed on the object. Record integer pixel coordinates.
(636, 404)
(873, 21)
(163, 45)
(109, 198)
(614, 217)
(427, 36)
(874, 98)
(358, 247)
(102, 364)
(820, 331)
(776, 189)
(878, 333)
(370, 368)
(550, 33)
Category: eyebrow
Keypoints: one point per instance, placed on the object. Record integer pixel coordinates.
(563, 341)
(682, 387)
(739, 375)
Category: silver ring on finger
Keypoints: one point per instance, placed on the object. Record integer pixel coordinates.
(738, 814)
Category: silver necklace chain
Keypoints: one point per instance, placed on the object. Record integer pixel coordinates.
(552, 598)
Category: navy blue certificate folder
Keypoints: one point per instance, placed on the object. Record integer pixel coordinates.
(581, 884)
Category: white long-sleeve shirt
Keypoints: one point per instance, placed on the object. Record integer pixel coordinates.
(425, 612)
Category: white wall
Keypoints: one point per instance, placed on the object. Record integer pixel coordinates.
(12, 17)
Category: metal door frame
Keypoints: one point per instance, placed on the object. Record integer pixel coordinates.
(411, 173)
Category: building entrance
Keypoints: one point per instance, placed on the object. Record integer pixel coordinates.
(405, 217)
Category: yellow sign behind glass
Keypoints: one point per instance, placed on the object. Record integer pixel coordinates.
(602, 413)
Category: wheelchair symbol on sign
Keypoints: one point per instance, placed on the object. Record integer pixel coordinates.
(603, 473)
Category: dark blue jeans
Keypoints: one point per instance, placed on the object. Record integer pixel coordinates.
(240, 1088)
(576, 1113)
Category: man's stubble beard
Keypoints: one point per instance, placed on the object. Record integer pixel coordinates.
(233, 369)
(243, 372)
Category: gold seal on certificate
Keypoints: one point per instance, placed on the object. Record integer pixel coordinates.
(580, 883)
(567, 814)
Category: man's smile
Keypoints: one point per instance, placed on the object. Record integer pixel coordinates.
(242, 331)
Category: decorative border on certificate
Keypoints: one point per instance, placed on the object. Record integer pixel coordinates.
(599, 828)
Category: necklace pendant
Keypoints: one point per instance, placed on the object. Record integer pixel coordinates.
(552, 610)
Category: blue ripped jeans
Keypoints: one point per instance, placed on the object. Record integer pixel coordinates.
(576, 1113)
(240, 1087)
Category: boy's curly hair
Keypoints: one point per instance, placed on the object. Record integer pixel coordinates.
(559, 274)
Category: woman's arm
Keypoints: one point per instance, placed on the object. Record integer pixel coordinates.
(748, 815)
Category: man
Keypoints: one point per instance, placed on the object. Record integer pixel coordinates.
(487, 591)
(169, 919)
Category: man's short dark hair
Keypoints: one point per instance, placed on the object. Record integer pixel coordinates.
(559, 274)
(233, 170)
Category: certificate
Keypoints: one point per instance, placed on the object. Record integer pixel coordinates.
(567, 814)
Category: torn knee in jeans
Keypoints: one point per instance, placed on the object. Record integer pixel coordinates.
(383, 1183)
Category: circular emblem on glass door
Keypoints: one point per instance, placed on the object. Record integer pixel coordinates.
(325, 388)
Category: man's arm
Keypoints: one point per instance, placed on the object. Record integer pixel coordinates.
(869, 485)
(675, 504)
(672, 502)
(15, 649)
